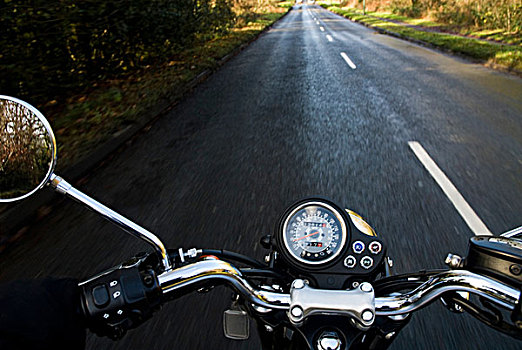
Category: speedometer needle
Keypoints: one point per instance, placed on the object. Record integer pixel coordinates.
(311, 234)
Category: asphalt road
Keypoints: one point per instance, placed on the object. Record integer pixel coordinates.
(289, 118)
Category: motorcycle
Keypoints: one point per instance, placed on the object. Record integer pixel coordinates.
(326, 281)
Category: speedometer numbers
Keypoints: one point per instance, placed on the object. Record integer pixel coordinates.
(314, 233)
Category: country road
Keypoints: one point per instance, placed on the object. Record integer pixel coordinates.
(318, 105)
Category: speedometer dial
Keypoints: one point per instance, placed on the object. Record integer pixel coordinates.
(314, 233)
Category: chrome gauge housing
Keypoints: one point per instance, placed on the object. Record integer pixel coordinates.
(313, 233)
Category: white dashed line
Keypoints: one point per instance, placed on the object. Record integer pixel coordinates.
(322, 29)
(468, 214)
(329, 37)
(348, 60)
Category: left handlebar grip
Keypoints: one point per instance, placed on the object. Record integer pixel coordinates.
(120, 299)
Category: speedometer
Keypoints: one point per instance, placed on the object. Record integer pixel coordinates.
(314, 232)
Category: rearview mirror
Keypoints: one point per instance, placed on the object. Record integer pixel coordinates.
(27, 160)
(27, 149)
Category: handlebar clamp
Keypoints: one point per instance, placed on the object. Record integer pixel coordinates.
(358, 303)
(119, 300)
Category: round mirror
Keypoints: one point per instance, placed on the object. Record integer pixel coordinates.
(27, 149)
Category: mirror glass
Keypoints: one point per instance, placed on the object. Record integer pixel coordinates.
(27, 149)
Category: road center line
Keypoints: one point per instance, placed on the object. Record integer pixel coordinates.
(348, 60)
(468, 214)
(322, 29)
(329, 37)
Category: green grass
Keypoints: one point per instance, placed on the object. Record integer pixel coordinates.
(286, 4)
(494, 54)
(414, 21)
(497, 35)
(89, 119)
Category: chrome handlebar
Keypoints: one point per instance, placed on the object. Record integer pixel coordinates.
(193, 276)
(453, 280)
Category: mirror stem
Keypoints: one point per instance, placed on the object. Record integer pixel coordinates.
(63, 187)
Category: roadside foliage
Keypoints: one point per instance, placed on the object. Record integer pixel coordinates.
(484, 14)
(489, 31)
(50, 47)
(479, 14)
(95, 67)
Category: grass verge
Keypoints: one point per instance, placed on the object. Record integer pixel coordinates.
(506, 56)
(84, 121)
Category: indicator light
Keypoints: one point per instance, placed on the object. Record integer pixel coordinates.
(375, 247)
(350, 262)
(366, 262)
(358, 247)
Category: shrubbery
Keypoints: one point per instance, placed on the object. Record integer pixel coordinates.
(49, 47)
(490, 14)
(479, 14)
(484, 14)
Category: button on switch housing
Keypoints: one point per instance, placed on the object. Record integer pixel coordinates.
(100, 295)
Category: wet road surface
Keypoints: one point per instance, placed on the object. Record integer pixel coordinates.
(290, 117)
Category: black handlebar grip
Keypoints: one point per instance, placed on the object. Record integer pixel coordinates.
(119, 300)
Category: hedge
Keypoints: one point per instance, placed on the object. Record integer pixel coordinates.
(51, 47)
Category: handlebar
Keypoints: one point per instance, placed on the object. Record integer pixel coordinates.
(124, 297)
(193, 275)
(453, 280)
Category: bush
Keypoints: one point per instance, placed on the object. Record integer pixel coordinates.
(480, 14)
(50, 47)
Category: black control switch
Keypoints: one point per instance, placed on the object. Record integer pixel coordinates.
(100, 295)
